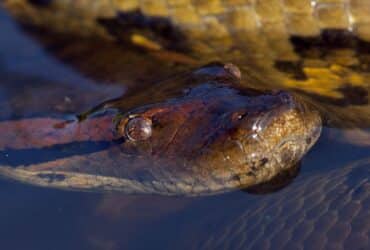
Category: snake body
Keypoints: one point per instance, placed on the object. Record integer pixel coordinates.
(317, 48)
(288, 44)
(322, 211)
(212, 139)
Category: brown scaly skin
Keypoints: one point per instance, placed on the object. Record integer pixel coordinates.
(292, 44)
(254, 29)
(210, 139)
(317, 48)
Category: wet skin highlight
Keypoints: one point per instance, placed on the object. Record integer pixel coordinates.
(212, 137)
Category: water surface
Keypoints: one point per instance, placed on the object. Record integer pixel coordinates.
(40, 218)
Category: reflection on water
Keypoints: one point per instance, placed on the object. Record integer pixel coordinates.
(37, 218)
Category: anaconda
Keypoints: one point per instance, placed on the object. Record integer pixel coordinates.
(319, 210)
(273, 36)
(212, 139)
(327, 44)
(322, 211)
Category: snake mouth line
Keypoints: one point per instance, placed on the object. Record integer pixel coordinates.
(91, 182)
(212, 139)
(99, 183)
(46, 169)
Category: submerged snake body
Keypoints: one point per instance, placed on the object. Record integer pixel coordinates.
(318, 48)
(323, 211)
(279, 43)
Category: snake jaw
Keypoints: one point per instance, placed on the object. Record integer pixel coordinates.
(267, 142)
(213, 138)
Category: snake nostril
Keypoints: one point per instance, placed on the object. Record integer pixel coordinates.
(286, 98)
(237, 116)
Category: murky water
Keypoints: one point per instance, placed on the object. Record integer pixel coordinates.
(40, 218)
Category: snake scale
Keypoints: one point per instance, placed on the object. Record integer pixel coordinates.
(317, 48)
(212, 139)
(329, 211)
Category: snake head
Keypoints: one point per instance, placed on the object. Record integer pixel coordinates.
(216, 137)
(211, 138)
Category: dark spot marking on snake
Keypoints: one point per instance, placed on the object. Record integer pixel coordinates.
(329, 39)
(263, 161)
(352, 95)
(40, 3)
(292, 68)
(277, 183)
(36, 156)
(143, 175)
(52, 177)
(237, 177)
(319, 47)
(253, 167)
(308, 140)
(159, 29)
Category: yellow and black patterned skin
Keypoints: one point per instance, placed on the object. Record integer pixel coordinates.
(315, 47)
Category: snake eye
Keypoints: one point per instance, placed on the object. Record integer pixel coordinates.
(237, 116)
(137, 128)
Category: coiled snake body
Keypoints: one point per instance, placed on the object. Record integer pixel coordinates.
(319, 49)
(211, 139)
(315, 48)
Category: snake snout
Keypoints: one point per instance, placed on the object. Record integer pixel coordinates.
(275, 137)
(269, 111)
